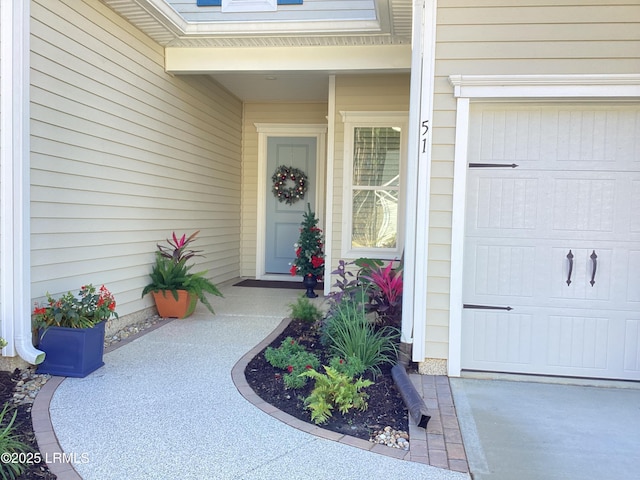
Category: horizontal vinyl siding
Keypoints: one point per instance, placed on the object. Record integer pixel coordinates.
(374, 93)
(538, 36)
(510, 37)
(289, 113)
(122, 155)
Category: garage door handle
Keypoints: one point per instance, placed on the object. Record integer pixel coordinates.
(570, 258)
(594, 266)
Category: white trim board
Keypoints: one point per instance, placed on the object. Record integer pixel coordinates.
(515, 89)
(545, 86)
(418, 178)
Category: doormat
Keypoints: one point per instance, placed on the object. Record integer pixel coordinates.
(274, 284)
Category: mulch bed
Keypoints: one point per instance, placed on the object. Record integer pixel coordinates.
(386, 407)
(23, 427)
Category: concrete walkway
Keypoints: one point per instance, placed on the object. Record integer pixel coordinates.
(165, 406)
(526, 430)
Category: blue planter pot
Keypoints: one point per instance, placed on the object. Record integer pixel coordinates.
(72, 352)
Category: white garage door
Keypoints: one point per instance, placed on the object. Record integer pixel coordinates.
(552, 248)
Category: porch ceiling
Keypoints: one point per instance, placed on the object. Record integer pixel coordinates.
(291, 37)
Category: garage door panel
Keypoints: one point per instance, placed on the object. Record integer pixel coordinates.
(496, 339)
(632, 284)
(590, 136)
(599, 138)
(505, 203)
(502, 270)
(634, 207)
(584, 205)
(578, 341)
(632, 345)
(528, 340)
(576, 189)
(555, 205)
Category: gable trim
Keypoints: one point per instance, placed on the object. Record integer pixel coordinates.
(545, 86)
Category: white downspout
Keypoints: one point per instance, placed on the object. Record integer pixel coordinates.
(15, 245)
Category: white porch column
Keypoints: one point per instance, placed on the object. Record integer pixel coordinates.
(414, 306)
(15, 262)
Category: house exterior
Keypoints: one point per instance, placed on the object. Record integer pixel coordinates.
(507, 142)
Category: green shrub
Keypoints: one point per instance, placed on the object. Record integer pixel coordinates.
(299, 363)
(304, 310)
(351, 367)
(279, 357)
(334, 389)
(292, 357)
(9, 443)
(350, 334)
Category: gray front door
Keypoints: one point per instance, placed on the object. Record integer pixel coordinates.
(283, 220)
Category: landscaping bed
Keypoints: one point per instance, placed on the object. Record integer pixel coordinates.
(385, 406)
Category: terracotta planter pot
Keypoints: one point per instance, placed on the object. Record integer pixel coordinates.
(169, 307)
(72, 352)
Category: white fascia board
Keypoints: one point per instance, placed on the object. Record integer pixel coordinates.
(546, 86)
(230, 28)
(379, 58)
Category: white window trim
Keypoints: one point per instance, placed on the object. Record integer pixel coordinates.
(352, 119)
(510, 88)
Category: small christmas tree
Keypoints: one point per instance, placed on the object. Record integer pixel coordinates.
(309, 249)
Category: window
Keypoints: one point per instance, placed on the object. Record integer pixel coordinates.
(373, 161)
(218, 3)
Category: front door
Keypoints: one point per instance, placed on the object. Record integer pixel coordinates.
(282, 227)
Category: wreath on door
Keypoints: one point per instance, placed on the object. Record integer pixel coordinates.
(283, 189)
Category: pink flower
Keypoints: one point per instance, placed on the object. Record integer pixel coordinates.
(290, 369)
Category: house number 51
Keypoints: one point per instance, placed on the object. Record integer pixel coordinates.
(423, 134)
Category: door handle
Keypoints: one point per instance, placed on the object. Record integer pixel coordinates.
(594, 266)
(570, 258)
